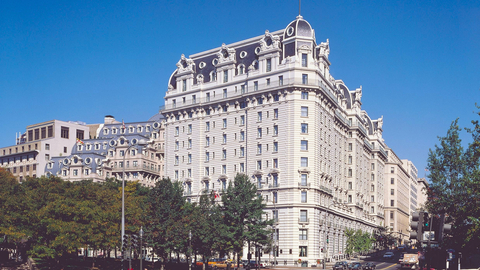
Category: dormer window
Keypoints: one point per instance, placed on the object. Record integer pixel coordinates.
(304, 60)
(225, 76)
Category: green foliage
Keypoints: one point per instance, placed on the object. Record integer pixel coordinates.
(455, 185)
(59, 217)
(358, 241)
(243, 210)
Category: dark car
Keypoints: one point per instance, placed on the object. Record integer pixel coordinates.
(340, 266)
(355, 266)
(369, 266)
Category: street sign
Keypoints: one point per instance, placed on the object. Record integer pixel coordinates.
(429, 235)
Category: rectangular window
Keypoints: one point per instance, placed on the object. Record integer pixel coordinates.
(207, 97)
(304, 162)
(242, 151)
(280, 80)
(225, 76)
(392, 191)
(225, 93)
(184, 85)
(304, 145)
(350, 185)
(269, 65)
(242, 120)
(259, 132)
(304, 197)
(275, 146)
(259, 149)
(392, 170)
(392, 181)
(242, 136)
(392, 203)
(242, 167)
(224, 123)
(275, 113)
(268, 81)
(304, 111)
(304, 78)
(224, 153)
(303, 179)
(242, 87)
(177, 131)
(259, 164)
(64, 132)
(275, 162)
(275, 130)
(304, 128)
(304, 60)
(255, 86)
(350, 147)
(37, 134)
(303, 216)
(44, 132)
(194, 99)
(303, 234)
(50, 131)
(304, 95)
(47, 146)
(207, 156)
(259, 116)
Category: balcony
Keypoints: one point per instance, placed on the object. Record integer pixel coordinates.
(275, 185)
(250, 89)
(303, 185)
(303, 220)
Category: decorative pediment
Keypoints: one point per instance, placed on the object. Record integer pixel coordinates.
(185, 65)
(269, 43)
(226, 56)
(257, 172)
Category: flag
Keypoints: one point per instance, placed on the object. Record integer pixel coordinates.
(216, 195)
(79, 141)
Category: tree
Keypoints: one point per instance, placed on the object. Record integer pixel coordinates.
(243, 210)
(455, 185)
(165, 204)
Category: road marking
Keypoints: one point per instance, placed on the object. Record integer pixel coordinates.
(387, 267)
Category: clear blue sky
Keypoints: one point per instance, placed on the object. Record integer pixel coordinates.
(418, 61)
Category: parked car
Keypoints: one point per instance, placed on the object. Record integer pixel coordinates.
(400, 260)
(340, 266)
(369, 266)
(388, 255)
(402, 248)
(355, 266)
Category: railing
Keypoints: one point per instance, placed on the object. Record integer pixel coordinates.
(249, 91)
(274, 185)
(300, 184)
(304, 220)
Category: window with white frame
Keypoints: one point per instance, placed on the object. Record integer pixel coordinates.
(275, 146)
(303, 196)
(259, 148)
(303, 179)
(304, 111)
(304, 95)
(304, 162)
(303, 234)
(275, 130)
(304, 128)
(304, 145)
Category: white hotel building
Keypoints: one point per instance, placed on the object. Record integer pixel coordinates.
(268, 107)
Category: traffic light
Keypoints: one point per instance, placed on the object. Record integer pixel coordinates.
(125, 242)
(134, 240)
(415, 227)
(425, 222)
(443, 228)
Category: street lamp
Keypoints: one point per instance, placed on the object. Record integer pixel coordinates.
(140, 142)
(141, 246)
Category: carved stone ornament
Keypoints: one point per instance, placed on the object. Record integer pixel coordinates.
(170, 87)
(380, 122)
(199, 79)
(185, 65)
(269, 42)
(358, 94)
(324, 49)
(226, 55)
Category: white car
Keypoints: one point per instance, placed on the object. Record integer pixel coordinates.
(388, 255)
